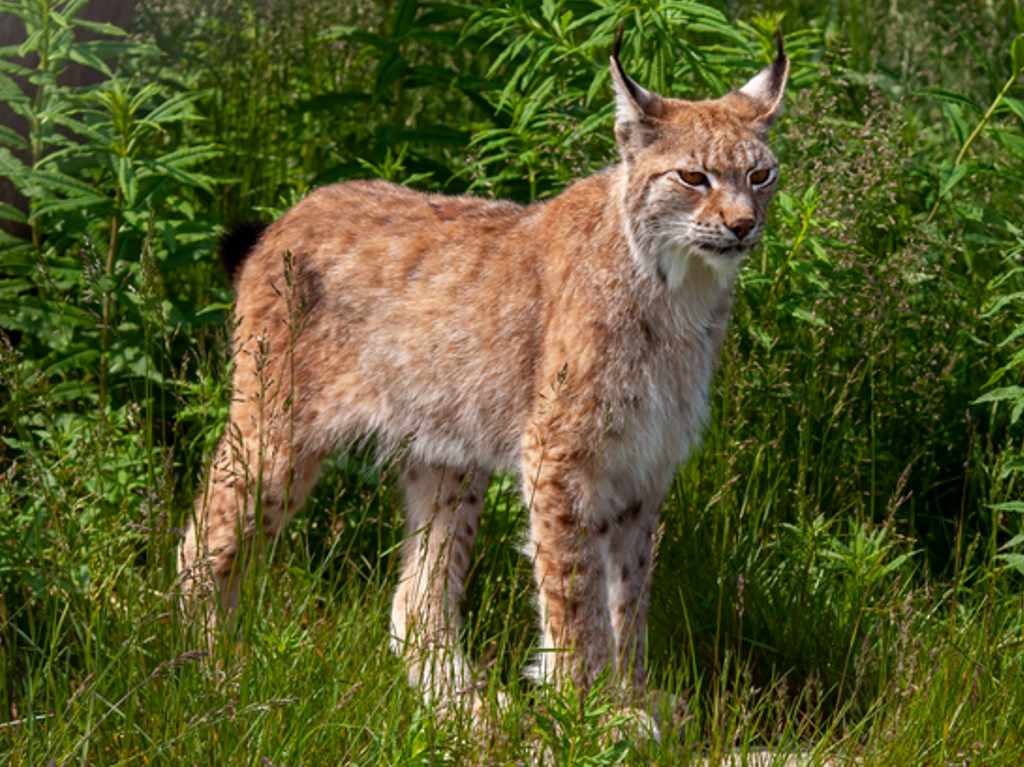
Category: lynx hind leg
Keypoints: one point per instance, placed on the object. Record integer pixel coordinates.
(442, 517)
(249, 490)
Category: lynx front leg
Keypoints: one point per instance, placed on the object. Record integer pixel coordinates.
(568, 565)
(629, 563)
(442, 517)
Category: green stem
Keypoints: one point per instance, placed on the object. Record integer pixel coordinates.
(38, 102)
(977, 131)
(107, 304)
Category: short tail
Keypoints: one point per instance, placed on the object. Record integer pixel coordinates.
(236, 244)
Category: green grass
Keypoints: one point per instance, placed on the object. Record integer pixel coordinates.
(912, 676)
(840, 566)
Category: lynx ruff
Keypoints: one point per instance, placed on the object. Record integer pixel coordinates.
(572, 341)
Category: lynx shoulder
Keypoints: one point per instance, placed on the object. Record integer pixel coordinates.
(572, 342)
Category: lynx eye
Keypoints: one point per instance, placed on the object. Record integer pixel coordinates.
(693, 178)
(761, 176)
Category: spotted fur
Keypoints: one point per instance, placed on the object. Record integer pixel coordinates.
(572, 342)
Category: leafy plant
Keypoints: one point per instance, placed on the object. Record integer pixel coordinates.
(113, 193)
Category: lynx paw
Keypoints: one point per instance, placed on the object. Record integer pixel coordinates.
(634, 723)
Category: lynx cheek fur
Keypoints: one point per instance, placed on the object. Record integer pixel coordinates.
(572, 341)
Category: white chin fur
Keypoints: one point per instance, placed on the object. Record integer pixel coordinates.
(676, 265)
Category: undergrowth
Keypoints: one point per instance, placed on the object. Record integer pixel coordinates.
(840, 565)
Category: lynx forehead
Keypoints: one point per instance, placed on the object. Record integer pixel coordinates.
(572, 341)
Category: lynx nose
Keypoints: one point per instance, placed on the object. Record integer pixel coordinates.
(741, 227)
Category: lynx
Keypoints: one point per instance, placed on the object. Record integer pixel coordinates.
(571, 342)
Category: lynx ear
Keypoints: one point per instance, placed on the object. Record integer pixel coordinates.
(635, 106)
(766, 88)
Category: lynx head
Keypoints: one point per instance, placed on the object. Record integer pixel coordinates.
(698, 175)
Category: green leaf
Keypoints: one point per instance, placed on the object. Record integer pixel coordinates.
(1017, 53)
(10, 213)
(1016, 561)
(79, 202)
(1012, 141)
(950, 177)
(101, 27)
(187, 156)
(69, 391)
(403, 18)
(14, 140)
(802, 314)
(950, 97)
(1015, 507)
(1016, 333)
(55, 181)
(1014, 105)
(9, 90)
(1013, 543)
(1012, 393)
(126, 180)
(955, 117)
(390, 70)
(86, 56)
(179, 108)
(214, 309)
(12, 167)
(763, 338)
(1002, 302)
(83, 360)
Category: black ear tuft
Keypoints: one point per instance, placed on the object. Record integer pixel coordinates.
(766, 88)
(633, 104)
(236, 244)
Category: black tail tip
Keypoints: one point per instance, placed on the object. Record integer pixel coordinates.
(236, 244)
